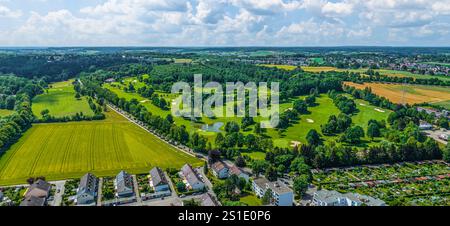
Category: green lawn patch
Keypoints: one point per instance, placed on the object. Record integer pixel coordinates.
(69, 150)
(60, 101)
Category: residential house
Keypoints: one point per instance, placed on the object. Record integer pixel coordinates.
(191, 179)
(425, 125)
(334, 198)
(40, 189)
(110, 80)
(124, 184)
(208, 200)
(282, 195)
(37, 194)
(158, 180)
(87, 190)
(220, 170)
(443, 136)
(234, 170)
(437, 113)
(33, 201)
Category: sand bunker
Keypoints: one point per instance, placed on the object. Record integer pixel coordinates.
(362, 104)
(379, 110)
(310, 120)
(144, 101)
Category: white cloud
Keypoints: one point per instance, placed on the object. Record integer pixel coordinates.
(338, 9)
(6, 12)
(229, 22)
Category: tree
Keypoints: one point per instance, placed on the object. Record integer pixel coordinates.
(78, 96)
(267, 198)
(232, 127)
(205, 168)
(181, 187)
(310, 100)
(259, 166)
(220, 140)
(353, 135)
(300, 106)
(45, 112)
(443, 123)
(301, 184)
(240, 161)
(446, 153)
(271, 173)
(258, 129)
(373, 130)
(313, 137)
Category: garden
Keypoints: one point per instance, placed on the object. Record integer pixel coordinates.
(108, 189)
(12, 195)
(144, 184)
(422, 183)
(70, 190)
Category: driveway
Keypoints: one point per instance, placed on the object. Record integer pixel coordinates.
(58, 193)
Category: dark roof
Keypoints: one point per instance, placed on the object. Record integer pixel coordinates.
(190, 175)
(208, 200)
(218, 166)
(158, 177)
(88, 184)
(124, 182)
(33, 201)
(234, 170)
(41, 185)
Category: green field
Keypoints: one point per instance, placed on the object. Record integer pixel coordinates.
(60, 101)
(5, 112)
(437, 63)
(445, 104)
(297, 132)
(69, 150)
(319, 115)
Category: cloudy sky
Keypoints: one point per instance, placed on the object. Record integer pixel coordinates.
(224, 22)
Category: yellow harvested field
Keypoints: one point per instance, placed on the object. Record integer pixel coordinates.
(319, 69)
(411, 94)
(280, 66)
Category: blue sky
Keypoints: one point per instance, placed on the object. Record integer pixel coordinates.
(224, 22)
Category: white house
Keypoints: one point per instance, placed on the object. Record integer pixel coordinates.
(124, 185)
(158, 180)
(282, 195)
(234, 170)
(334, 198)
(191, 179)
(220, 170)
(425, 126)
(87, 190)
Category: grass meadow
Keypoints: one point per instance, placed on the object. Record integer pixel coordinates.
(69, 150)
(60, 101)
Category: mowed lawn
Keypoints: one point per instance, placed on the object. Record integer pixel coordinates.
(411, 94)
(69, 150)
(319, 115)
(60, 101)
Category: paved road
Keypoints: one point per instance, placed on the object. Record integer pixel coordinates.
(435, 135)
(57, 198)
(136, 190)
(99, 193)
